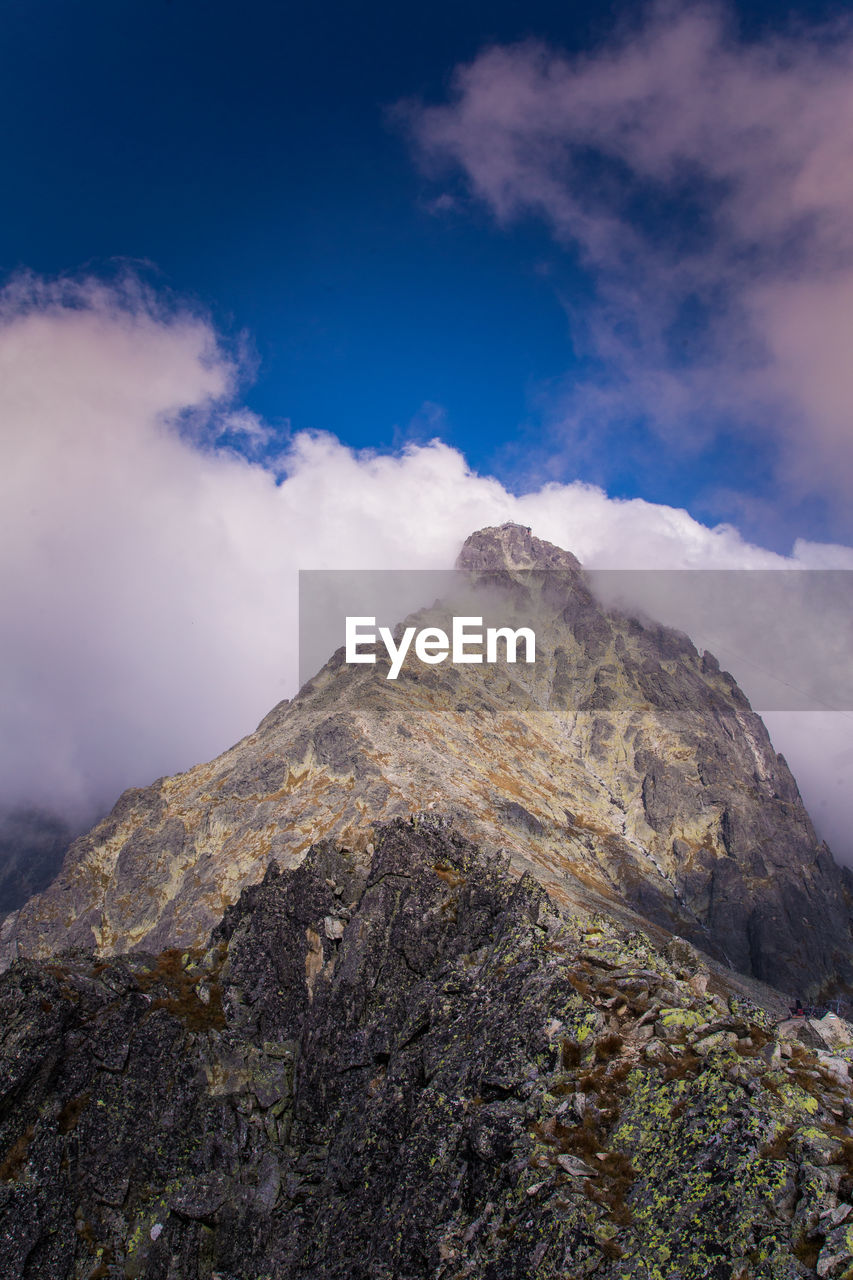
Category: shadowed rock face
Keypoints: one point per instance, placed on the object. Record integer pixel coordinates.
(626, 772)
(32, 846)
(413, 1065)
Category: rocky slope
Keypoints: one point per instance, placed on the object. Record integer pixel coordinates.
(413, 1064)
(625, 771)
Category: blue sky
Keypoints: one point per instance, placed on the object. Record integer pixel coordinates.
(249, 160)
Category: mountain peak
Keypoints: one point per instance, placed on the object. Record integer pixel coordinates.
(512, 546)
(622, 769)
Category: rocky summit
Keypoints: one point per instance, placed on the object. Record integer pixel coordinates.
(412, 1065)
(624, 770)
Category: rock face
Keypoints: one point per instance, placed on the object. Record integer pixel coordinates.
(625, 771)
(413, 1065)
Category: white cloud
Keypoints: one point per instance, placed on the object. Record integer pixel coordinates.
(706, 182)
(148, 577)
(818, 746)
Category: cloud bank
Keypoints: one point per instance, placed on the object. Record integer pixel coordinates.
(706, 185)
(148, 569)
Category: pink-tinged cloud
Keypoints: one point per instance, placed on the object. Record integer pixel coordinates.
(757, 139)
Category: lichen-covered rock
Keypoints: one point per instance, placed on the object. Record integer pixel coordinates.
(459, 1081)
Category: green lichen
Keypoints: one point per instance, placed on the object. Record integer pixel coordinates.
(703, 1191)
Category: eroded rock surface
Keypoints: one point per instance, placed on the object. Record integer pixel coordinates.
(626, 772)
(413, 1065)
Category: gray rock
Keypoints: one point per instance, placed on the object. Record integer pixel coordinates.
(396, 1110)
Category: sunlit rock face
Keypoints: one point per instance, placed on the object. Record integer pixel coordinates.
(624, 770)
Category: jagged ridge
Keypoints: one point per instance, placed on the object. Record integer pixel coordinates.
(406, 1066)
